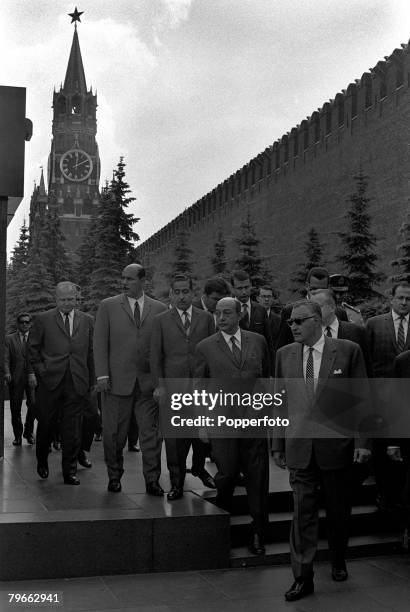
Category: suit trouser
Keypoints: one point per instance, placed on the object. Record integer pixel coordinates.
(304, 531)
(116, 417)
(249, 455)
(147, 419)
(177, 450)
(16, 393)
(66, 402)
(90, 421)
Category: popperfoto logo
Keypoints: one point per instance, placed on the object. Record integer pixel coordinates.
(246, 412)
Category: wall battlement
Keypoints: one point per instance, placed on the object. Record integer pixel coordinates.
(314, 135)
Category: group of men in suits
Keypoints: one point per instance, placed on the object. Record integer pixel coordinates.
(138, 344)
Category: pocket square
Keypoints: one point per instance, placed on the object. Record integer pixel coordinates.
(339, 371)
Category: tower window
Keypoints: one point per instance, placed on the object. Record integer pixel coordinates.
(76, 105)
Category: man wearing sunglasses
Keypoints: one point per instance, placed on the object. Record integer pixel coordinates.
(320, 376)
(16, 376)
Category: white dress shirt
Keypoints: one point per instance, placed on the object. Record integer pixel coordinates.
(334, 327)
(70, 319)
(317, 359)
(396, 323)
(140, 300)
(238, 338)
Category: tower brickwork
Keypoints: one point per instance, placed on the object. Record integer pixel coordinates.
(304, 180)
(73, 172)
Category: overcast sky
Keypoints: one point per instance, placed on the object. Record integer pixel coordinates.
(189, 90)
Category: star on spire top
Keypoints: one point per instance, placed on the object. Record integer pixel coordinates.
(75, 16)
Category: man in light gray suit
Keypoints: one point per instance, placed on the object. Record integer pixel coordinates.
(121, 350)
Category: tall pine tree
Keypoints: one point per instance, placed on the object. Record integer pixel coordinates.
(52, 252)
(359, 258)
(249, 258)
(182, 258)
(16, 278)
(218, 261)
(114, 240)
(313, 253)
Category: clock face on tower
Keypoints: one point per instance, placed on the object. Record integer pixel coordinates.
(76, 165)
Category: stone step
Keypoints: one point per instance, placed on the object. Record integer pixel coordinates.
(278, 553)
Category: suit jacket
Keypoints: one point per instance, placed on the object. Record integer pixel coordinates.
(172, 350)
(15, 359)
(197, 302)
(334, 404)
(382, 343)
(214, 359)
(401, 370)
(121, 349)
(52, 350)
(356, 333)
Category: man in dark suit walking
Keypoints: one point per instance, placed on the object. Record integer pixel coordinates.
(122, 335)
(387, 337)
(254, 316)
(61, 358)
(16, 376)
(215, 288)
(334, 328)
(238, 358)
(311, 372)
(175, 335)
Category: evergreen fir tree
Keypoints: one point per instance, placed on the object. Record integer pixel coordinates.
(52, 252)
(114, 236)
(182, 261)
(16, 278)
(249, 258)
(359, 258)
(85, 264)
(313, 253)
(39, 286)
(218, 261)
(401, 265)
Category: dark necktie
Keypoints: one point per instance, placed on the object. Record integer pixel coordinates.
(186, 323)
(310, 376)
(329, 332)
(236, 351)
(137, 317)
(67, 324)
(245, 317)
(401, 340)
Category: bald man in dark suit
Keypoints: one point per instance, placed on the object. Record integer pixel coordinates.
(238, 358)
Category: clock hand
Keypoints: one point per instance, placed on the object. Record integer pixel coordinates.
(82, 162)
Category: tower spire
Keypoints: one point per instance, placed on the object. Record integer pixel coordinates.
(42, 188)
(75, 77)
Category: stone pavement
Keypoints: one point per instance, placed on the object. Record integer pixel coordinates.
(374, 585)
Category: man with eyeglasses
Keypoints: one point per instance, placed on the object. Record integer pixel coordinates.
(16, 376)
(317, 375)
(388, 336)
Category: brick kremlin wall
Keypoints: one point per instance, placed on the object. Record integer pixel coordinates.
(303, 179)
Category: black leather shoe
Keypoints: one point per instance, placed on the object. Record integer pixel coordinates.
(175, 493)
(133, 448)
(17, 441)
(29, 438)
(240, 480)
(154, 488)
(56, 445)
(300, 589)
(42, 470)
(82, 460)
(339, 574)
(256, 546)
(206, 479)
(71, 480)
(97, 437)
(114, 486)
